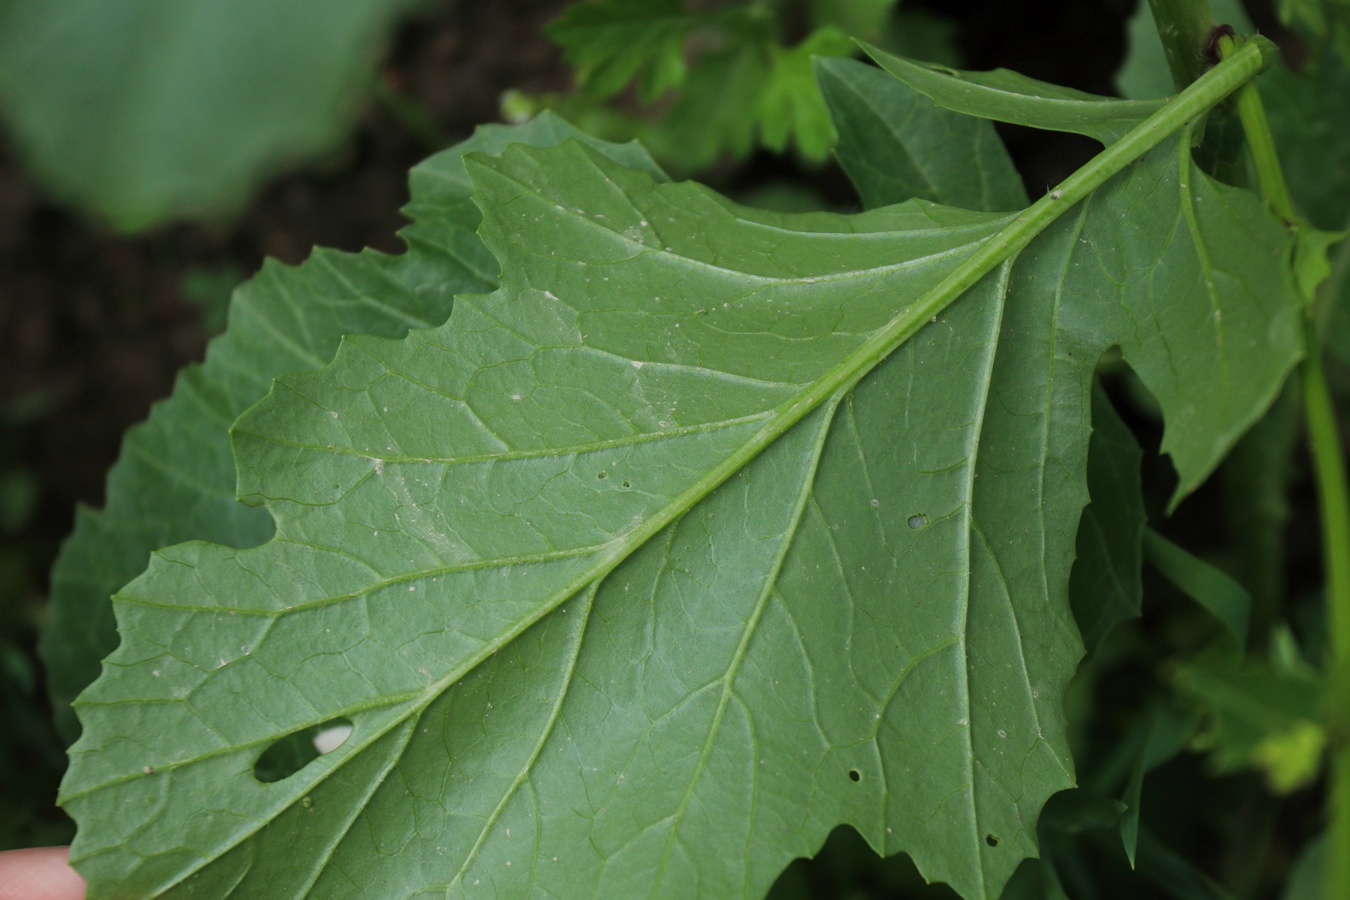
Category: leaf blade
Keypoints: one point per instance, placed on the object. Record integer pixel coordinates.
(1007, 96)
(985, 572)
(175, 479)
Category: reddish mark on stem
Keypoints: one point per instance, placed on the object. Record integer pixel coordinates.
(1212, 45)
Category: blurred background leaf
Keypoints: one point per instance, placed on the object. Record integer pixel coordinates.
(137, 111)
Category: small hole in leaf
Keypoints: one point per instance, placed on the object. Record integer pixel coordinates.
(627, 485)
(991, 840)
(917, 521)
(854, 775)
(602, 475)
(288, 755)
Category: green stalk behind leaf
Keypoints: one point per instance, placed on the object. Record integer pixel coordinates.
(1184, 27)
(1207, 585)
(1333, 494)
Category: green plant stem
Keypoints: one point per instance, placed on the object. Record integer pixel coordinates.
(1333, 499)
(1184, 26)
(1261, 144)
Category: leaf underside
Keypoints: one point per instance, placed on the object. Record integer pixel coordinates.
(175, 479)
(610, 615)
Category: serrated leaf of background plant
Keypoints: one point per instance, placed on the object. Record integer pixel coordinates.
(142, 110)
(790, 105)
(741, 85)
(612, 42)
(175, 479)
(580, 662)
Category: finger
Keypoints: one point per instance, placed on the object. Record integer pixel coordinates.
(40, 873)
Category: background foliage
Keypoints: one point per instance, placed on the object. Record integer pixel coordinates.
(1075, 831)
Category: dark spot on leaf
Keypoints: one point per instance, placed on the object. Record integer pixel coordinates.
(602, 475)
(854, 775)
(627, 485)
(991, 840)
(288, 755)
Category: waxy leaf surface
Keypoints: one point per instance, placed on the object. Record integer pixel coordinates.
(640, 574)
(175, 478)
(896, 144)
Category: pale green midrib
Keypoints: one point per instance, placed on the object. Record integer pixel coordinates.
(1070, 248)
(419, 575)
(1185, 172)
(774, 280)
(972, 469)
(804, 494)
(1222, 80)
(340, 835)
(355, 814)
(607, 232)
(388, 702)
(1196, 100)
(546, 733)
(511, 455)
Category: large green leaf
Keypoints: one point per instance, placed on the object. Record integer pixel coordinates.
(175, 479)
(710, 529)
(140, 110)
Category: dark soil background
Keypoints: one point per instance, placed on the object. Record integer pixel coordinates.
(94, 325)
